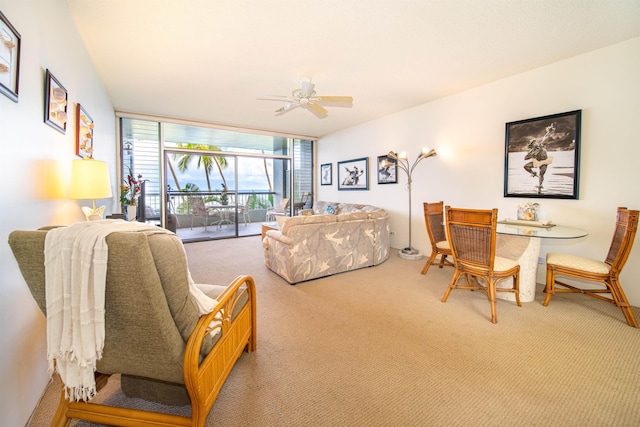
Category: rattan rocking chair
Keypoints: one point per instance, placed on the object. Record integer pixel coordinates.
(154, 337)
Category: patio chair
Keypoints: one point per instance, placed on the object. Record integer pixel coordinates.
(198, 209)
(281, 210)
(606, 273)
(434, 220)
(472, 236)
(303, 201)
(245, 211)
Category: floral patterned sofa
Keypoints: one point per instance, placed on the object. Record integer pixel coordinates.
(332, 238)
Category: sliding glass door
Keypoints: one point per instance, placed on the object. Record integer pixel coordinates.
(215, 183)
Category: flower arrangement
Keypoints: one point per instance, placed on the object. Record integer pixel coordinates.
(528, 210)
(130, 189)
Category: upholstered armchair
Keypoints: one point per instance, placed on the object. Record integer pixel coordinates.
(154, 336)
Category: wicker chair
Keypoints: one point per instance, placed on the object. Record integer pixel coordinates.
(434, 220)
(606, 273)
(472, 235)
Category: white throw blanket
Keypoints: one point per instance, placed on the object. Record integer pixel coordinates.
(75, 273)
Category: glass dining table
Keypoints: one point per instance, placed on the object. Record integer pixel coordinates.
(521, 242)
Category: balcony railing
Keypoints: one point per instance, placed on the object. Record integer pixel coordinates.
(178, 203)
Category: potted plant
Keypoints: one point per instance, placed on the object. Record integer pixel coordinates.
(224, 198)
(129, 193)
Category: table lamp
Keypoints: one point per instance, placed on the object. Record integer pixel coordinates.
(403, 163)
(90, 180)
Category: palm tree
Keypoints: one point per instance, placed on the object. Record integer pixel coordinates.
(206, 162)
(175, 178)
(266, 172)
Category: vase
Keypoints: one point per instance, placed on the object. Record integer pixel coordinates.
(131, 212)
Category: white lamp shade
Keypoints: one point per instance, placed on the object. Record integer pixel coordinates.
(90, 179)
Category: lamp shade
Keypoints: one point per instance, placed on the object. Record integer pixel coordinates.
(90, 179)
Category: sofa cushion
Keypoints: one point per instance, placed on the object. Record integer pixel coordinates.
(281, 219)
(351, 207)
(353, 216)
(293, 221)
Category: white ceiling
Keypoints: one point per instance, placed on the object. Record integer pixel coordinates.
(208, 60)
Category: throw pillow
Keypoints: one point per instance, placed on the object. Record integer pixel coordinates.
(330, 209)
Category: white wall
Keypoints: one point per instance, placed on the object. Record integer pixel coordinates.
(468, 132)
(36, 161)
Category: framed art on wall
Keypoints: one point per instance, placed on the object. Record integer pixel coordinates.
(325, 174)
(84, 133)
(55, 103)
(9, 59)
(542, 157)
(353, 174)
(387, 170)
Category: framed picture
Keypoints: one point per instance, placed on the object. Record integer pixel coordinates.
(387, 170)
(542, 157)
(9, 59)
(84, 133)
(325, 174)
(353, 174)
(55, 103)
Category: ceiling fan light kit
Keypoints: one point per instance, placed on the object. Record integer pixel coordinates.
(306, 98)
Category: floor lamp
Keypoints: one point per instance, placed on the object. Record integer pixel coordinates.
(403, 163)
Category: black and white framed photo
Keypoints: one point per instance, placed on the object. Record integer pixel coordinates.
(55, 103)
(353, 174)
(9, 59)
(325, 174)
(387, 170)
(542, 157)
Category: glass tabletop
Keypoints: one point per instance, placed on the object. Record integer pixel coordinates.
(554, 232)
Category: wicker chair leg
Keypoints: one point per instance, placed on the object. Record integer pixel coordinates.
(443, 259)
(492, 300)
(516, 288)
(621, 301)
(60, 418)
(452, 284)
(432, 258)
(549, 286)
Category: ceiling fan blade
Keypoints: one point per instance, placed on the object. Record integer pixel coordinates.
(290, 106)
(274, 98)
(346, 99)
(317, 109)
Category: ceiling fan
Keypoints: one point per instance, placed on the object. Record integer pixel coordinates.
(305, 97)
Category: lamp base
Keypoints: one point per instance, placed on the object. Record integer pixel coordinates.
(410, 254)
(93, 214)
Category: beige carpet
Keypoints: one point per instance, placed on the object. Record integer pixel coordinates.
(376, 347)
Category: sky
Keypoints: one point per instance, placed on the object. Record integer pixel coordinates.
(251, 175)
